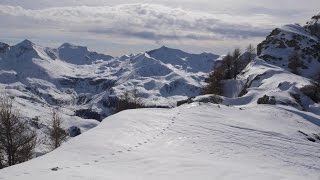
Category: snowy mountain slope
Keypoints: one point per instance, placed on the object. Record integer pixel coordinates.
(260, 78)
(285, 41)
(183, 60)
(79, 55)
(60, 67)
(195, 141)
(86, 85)
(268, 78)
(156, 80)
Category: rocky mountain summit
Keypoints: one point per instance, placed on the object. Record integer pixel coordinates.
(292, 39)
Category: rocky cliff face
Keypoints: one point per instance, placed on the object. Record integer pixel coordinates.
(283, 42)
(313, 26)
(4, 47)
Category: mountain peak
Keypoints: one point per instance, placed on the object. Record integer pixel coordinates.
(3, 44)
(313, 26)
(288, 40)
(166, 50)
(316, 17)
(183, 60)
(72, 46)
(79, 54)
(177, 52)
(164, 47)
(66, 44)
(26, 43)
(3, 47)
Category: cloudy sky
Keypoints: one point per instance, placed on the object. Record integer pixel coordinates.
(120, 27)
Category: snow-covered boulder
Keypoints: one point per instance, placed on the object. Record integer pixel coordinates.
(74, 131)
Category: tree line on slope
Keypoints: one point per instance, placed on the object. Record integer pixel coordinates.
(233, 63)
(228, 68)
(18, 140)
(129, 100)
(132, 100)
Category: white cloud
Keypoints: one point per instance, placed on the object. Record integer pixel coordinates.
(140, 23)
(153, 22)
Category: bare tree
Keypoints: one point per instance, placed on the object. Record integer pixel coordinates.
(17, 140)
(129, 100)
(123, 102)
(1, 160)
(317, 78)
(294, 63)
(252, 52)
(228, 63)
(57, 135)
(235, 55)
(214, 85)
(251, 49)
(220, 72)
(136, 98)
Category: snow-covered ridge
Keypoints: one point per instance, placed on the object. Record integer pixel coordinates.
(285, 41)
(186, 61)
(264, 83)
(79, 55)
(260, 78)
(76, 68)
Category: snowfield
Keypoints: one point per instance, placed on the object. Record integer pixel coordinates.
(193, 141)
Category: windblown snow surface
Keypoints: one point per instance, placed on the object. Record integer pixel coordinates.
(193, 141)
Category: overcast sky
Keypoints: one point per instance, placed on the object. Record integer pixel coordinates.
(120, 27)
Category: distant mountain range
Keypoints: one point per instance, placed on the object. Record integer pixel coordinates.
(74, 78)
